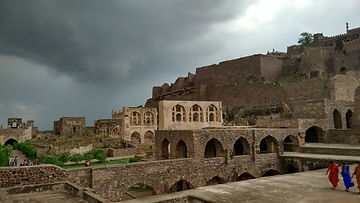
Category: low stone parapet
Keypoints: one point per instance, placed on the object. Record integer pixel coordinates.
(29, 175)
(125, 152)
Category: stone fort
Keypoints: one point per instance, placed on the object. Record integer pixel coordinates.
(255, 116)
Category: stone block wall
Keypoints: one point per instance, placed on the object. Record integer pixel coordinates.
(30, 175)
(122, 152)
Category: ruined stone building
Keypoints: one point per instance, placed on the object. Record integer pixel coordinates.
(17, 131)
(135, 124)
(67, 126)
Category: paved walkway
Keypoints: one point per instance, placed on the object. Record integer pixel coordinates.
(331, 146)
(304, 187)
(322, 156)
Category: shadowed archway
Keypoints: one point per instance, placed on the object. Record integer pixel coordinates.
(165, 148)
(241, 147)
(214, 149)
(245, 176)
(181, 150)
(314, 134)
(181, 185)
(215, 180)
(291, 144)
(268, 145)
(271, 172)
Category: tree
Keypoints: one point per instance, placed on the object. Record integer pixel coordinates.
(305, 38)
(5, 154)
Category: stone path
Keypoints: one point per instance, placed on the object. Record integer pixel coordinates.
(304, 187)
(322, 156)
(331, 146)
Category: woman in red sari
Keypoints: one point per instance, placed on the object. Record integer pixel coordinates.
(333, 170)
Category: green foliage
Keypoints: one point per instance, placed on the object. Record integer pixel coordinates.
(140, 188)
(28, 149)
(288, 79)
(89, 155)
(5, 154)
(101, 156)
(305, 38)
(64, 157)
(133, 159)
(76, 157)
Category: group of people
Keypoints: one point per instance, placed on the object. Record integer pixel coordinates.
(333, 171)
(14, 161)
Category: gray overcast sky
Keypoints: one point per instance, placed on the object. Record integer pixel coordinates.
(87, 57)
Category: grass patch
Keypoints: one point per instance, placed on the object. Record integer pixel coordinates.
(140, 188)
(288, 79)
(82, 165)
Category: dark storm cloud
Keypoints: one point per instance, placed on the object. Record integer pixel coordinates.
(106, 41)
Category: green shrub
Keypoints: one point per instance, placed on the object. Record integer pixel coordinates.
(133, 159)
(89, 155)
(64, 157)
(101, 156)
(5, 154)
(42, 158)
(76, 157)
(28, 149)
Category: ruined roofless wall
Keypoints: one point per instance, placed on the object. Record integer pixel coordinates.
(242, 70)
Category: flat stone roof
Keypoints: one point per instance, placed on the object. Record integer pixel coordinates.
(310, 186)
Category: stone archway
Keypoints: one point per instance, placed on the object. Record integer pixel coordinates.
(337, 119)
(245, 176)
(349, 116)
(149, 137)
(314, 134)
(291, 169)
(165, 149)
(271, 172)
(10, 141)
(291, 144)
(181, 150)
(181, 185)
(215, 180)
(268, 145)
(135, 137)
(213, 149)
(139, 190)
(241, 147)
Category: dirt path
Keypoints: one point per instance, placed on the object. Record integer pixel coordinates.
(20, 155)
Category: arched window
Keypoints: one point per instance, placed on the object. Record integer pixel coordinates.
(148, 118)
(181, 150)
(149, 137)
(337, 119)
(211, 114)
(314, 134)
(178, 113)
(268, 145)
(181, 185)
(135, 137)
(14, 125)
(241, 147)
(214, 148)
(135, 118)
(349, 115)
(165, 148)
(291, 144)
(196, 114)
(215, 180)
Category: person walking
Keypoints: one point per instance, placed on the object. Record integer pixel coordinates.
(333, 170)
(345, 172)
(15, 161)
(357, 175)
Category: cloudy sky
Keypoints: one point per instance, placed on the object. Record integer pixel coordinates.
(87, 57)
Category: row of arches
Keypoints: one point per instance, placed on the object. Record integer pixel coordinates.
(148, 118)
(214, 148)
(149, 137)
(338, 121)
(196, 114)
(182, 184)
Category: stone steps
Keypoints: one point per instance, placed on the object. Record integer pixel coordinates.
(335, 149)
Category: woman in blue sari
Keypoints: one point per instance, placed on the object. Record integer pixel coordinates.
(345, 172)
